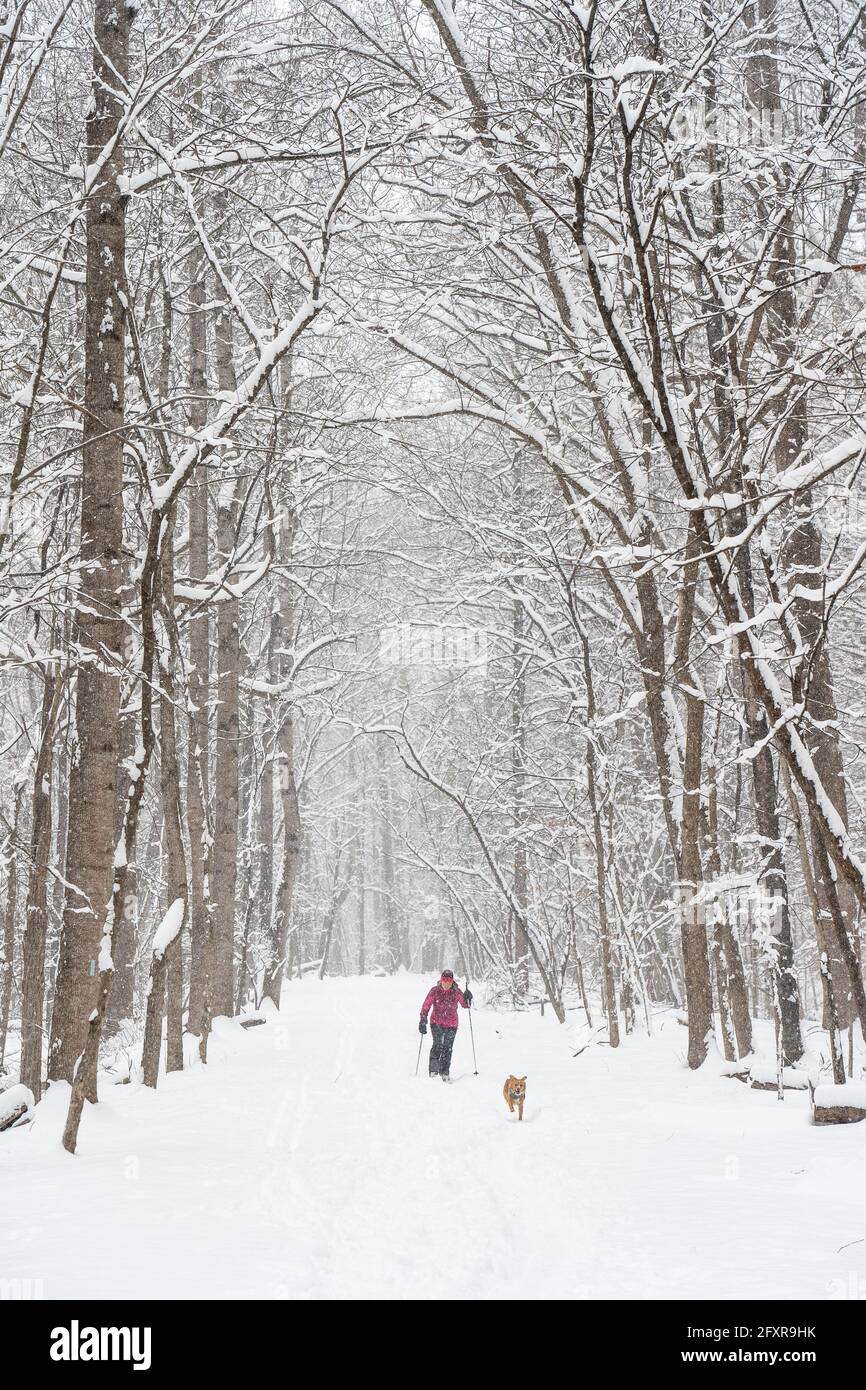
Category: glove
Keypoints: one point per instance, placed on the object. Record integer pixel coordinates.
(467, 995)
(422, 1026)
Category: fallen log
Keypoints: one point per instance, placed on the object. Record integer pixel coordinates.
(763, 1078)
(838, 1105)
(15, 1103)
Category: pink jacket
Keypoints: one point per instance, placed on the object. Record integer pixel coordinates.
(444, 1003)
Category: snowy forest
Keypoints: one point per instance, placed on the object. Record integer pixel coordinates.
(433, 533)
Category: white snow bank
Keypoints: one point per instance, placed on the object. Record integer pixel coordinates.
(854, 1093)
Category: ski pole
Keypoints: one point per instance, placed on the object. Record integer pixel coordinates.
(472, 1036)
(418, 1063)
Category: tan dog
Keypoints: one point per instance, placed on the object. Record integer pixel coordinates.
(514, 1092)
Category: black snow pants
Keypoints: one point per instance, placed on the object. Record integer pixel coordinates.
(440, 1052)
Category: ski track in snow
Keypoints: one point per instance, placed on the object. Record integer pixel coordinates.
(307, 1161)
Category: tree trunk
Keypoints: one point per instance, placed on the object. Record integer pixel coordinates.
(520, 889)
(92, 792)
(395, 942)
(36, 920)
(266, 842)
(282, 917)
(338, 897)
(226, 786)
(608, 983)
(198, 743)
(361, 863)
(736, 1021)
(120, 1005)
(696, 964)
(10, 912)
(802, 559)
(289, 868)
(169, 770)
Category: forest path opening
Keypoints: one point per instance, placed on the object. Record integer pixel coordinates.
(307, 1161)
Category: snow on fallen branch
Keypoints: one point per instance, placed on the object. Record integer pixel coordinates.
(15, 1104)
(168, 929)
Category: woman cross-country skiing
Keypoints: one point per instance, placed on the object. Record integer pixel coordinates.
(444, 998)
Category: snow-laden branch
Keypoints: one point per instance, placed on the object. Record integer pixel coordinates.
(168, 929)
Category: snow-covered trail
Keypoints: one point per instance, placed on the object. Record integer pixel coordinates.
(308, 1162)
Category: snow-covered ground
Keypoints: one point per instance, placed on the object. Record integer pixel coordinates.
(307, 1161)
